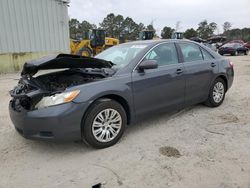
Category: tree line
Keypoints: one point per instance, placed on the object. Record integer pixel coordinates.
(117, 26)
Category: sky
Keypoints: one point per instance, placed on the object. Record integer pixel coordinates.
(166, 12)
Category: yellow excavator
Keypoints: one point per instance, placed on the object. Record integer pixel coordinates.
(96, 43)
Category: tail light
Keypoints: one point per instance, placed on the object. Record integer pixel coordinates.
(231, 64)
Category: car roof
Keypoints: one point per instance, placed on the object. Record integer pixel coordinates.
(156, 41)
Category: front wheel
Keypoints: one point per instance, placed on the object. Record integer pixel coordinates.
(104, 123)
(246, 52)
(84, 51)
(216, 93)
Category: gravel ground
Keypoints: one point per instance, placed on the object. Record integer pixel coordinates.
(196, 147)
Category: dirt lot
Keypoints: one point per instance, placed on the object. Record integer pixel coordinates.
(197, 147)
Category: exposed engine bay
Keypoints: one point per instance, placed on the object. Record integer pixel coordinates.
(59, 81)
(31, 89)
(46, 88)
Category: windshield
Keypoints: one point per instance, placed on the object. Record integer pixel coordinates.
(121, 55)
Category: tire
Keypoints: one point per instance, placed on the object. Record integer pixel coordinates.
(84, 51)
(92, 123)
(246, 52)
(214, 101)
(236, 53)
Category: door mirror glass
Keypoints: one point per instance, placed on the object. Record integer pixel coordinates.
(148, 64)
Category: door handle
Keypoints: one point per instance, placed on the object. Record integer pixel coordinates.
(213, 64)
(179, 71)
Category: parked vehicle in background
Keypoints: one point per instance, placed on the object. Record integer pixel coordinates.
(217, 41)
(247, 44)
(237, 41)
(177, 35)
(204, 42)
(198, 39)
(211, 46)
(95, 98)
(146, 35)
(233, 49)
(96, 43)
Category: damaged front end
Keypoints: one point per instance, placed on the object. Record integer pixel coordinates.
(51, 88)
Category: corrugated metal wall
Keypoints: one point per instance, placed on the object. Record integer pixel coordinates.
(33, 26)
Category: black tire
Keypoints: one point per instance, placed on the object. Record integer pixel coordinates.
(246, 52)
(92, 112)
(236, 53)
(84, 50)
(211, 101)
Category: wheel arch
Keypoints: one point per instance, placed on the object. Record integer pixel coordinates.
(121, 100)
(224, 78)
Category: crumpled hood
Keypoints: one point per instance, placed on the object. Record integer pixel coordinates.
(63, 61)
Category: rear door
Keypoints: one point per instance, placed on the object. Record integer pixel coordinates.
(200, 67)
(160, 88)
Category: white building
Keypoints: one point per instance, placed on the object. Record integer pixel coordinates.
(30, 29)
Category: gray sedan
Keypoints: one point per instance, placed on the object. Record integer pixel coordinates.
(94, 99)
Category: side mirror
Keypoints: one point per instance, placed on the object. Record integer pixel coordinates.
(147, 64)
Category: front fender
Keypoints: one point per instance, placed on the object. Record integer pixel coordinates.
(115, 85)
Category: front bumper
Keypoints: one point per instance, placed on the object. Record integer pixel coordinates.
(59, 123)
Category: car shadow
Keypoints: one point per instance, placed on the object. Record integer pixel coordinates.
(159, 117)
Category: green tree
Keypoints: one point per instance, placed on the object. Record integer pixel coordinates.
(130, 29)
(150, 27)
(108, 24)
(238, 34)
(84, 28)
(226, 26)
(140, 27)
(245, 33)
(118, 26)
(166, 32)
(74, 28)
(189, 33)
(206, 29)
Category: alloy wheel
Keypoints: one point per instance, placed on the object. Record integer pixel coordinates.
(218, 92)
(106, 125)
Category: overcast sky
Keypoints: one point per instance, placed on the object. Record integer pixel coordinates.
(165, 12)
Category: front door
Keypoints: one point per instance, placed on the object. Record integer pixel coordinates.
(160, 88)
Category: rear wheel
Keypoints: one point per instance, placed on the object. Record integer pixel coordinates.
(216, 93)
(84, 51)
(104, 123)
(246, 52)
(236, 53)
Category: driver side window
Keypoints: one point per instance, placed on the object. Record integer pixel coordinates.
(164, 54)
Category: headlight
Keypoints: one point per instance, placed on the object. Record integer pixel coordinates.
(57, 99)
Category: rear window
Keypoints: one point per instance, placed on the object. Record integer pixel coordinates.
(191, 52)
(206, 55)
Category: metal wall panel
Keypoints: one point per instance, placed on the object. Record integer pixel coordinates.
(33, 26)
